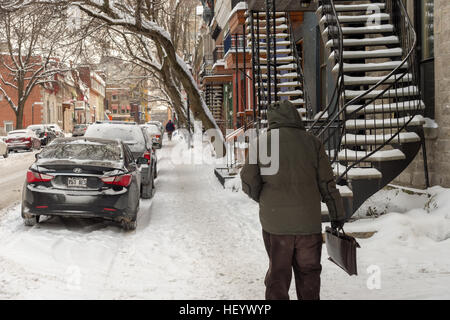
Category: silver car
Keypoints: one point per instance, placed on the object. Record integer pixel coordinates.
(157, 123)
(154, 133)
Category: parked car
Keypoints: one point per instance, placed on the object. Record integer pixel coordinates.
(83, 177)
(24, 139)
(57, 129)
(141, 147)
(79, 130)
(43, 132)
(159, 124)
(155, 134)
(3, 149)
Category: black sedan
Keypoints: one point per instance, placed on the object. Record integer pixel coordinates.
(83, 177)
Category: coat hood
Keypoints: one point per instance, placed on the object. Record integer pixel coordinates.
(284, 114)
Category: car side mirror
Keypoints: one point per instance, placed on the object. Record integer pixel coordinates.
(36, 156)
(141, 160)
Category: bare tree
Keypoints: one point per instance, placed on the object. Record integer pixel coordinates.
(161, 40)
(29, 35)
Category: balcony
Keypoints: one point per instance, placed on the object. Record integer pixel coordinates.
(230, 42)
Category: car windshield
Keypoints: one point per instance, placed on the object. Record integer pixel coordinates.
(153, 129)
(36, 128)
(82, 150)
(129, 134)
(79, 126)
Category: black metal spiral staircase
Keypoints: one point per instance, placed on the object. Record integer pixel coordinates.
(372, 125)
(275, 61)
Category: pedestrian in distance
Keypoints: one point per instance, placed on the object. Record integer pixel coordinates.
(170, 128)
(290, 204)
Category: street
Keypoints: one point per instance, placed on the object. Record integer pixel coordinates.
(12, 176)
(195, 240)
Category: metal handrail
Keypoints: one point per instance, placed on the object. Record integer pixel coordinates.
(408, 36)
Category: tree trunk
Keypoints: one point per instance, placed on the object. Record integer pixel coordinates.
(19, 115)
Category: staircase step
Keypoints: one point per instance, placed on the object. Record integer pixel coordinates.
(370, 54)
(364, 18)
(360, 7)
(283, 93)
(382, 155)
(279, 51)
(383, 28)
(279, 28)
(371, 139)
(368, 67)
(262, 22)
(280, 35)
(388, 108)
(358, 173)
(392, 93)
(283, 84)
(282, 43)
(356, 81)
(380, 41)
(279, 59)
(283, 67)
(355, 124)
(290, 75)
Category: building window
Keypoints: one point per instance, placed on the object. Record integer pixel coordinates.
(1, 97)
(114, 97)
(9, 126)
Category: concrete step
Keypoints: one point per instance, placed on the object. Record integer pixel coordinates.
(388, 108)
(379, 139)
(379, 156)
(359, 81)
(355, 124)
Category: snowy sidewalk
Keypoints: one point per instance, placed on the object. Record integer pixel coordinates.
(196, 240)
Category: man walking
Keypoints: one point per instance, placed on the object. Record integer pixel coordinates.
(170, 128)
(289, 204)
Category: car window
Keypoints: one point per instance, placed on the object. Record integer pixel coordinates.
(132, 135)
(153, 129)
(128, 155)
(82, 150)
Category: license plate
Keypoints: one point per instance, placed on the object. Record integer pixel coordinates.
(77, 182)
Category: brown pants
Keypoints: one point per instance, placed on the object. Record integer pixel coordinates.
(301, 253)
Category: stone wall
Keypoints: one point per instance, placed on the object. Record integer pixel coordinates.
(438, 140)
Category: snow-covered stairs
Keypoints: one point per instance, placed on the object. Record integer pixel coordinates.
(283, 59)
(380, 99)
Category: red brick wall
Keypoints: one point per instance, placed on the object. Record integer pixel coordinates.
(7, 114)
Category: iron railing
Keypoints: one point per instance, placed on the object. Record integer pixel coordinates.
(391, 94)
